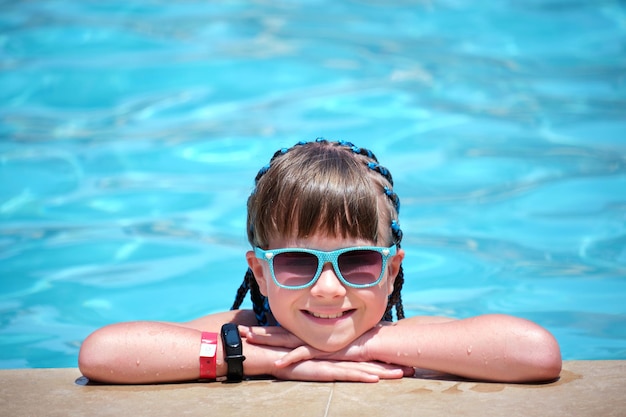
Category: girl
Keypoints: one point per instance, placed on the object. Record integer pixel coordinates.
(324, 275)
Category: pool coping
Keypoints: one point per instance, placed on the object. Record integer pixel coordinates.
(585, 388)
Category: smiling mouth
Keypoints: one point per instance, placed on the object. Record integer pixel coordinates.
(329, 316)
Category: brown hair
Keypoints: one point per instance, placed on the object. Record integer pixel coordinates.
(320, 187)
(334, 188)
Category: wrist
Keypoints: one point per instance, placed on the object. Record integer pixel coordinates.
(233, 352)
(211, 359)
(208, 356)
(222, 366)
(260, 360)
(371, 345)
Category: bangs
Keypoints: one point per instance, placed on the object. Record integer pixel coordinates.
(336, 209)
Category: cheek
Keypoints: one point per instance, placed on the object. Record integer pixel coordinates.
(282, 304)
(376, 306)
(378, 298)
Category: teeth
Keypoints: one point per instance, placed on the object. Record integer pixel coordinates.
(327, 316)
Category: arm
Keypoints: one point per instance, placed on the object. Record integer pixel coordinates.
(148, 352)
(153, 352)
(489, 347)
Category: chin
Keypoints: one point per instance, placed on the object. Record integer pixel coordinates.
(328, 345)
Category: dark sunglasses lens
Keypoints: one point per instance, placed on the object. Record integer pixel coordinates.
(360, 267)
(294, 268)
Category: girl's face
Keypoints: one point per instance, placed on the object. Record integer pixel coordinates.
(327, 315)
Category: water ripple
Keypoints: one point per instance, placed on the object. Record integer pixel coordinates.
(130, 134)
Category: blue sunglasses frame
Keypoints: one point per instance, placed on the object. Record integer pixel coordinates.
(324, 257)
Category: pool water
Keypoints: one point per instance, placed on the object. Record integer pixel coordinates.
(130, 134)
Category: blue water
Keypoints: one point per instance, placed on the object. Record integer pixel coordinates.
(130, 133)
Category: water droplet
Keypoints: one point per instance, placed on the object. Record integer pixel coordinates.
(469, 350)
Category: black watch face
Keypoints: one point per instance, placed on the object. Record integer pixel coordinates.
(231, 337)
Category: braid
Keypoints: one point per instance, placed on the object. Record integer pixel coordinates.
(260, 302)
(241, 292)
(395, 299)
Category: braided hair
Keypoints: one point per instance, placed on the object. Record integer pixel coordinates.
(333, 187)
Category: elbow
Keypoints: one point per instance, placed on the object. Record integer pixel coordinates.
(544, 358)
(87, 357)
(92, 361)
(532, 353)
(551, 364)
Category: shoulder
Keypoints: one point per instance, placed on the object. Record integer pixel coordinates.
(216, 320)
(426, 320)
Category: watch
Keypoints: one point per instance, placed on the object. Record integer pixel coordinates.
(233, 354)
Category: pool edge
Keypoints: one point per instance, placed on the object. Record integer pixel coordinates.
(585, 388)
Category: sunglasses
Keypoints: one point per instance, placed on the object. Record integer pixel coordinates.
(297, 268)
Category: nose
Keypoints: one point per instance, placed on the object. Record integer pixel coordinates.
(328, 284)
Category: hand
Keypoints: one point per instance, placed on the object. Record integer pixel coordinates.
(278, 337)
(346, 371)
(270, 336)
(265, 359)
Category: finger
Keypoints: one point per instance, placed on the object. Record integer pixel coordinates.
(391, 374)
(383, 370)
(360, 372)
(328, 372)
(243, 330)
(266, 330)
(281, 339)
(406, 371)
(299, 354)
(355, 375)
(316, 370)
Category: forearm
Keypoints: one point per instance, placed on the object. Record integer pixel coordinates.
(493, 347)
(143, 352)
(152, 352)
